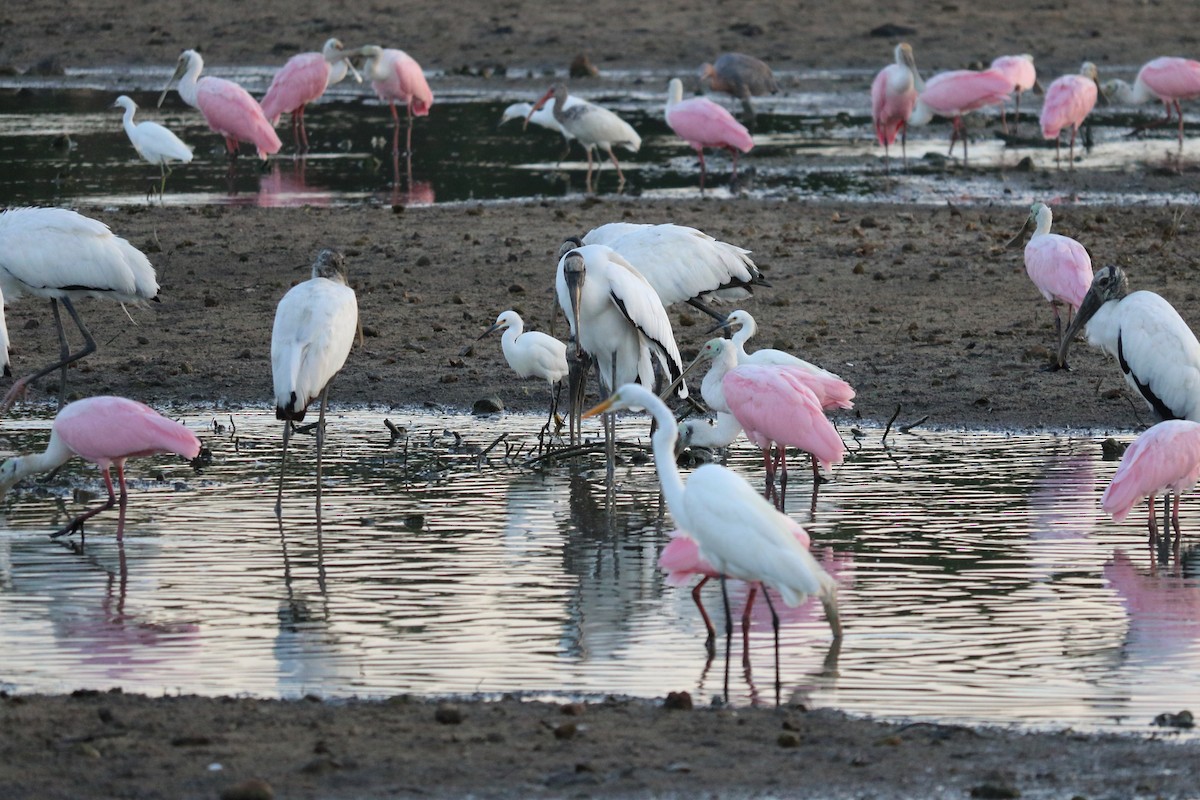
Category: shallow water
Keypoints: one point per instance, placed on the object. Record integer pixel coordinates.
(61, 142)
(979, 582)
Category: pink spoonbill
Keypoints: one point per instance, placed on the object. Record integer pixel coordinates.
(741, 76)
(1069, 100)
(227, 108)
(592, 126)
(315, 323)
(1164, 458)
(893, 98)
(1058, 265)
(1021, 74)
(302, 80)
(1167, 79)
(397, 78)
(105, 431)
(702, 123)
(958, 92)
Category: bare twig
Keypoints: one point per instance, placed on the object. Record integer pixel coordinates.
(888, 429)
(911, 425)
(495, 442)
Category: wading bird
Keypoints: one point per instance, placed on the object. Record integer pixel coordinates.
(740, 76)
(1021, 74)
(1058, 265)
(1164, 458)
(682, 263)
(63, 256)
(1069, 100)
(105, 431)
(592, 126)
(739, 533)
(543, 117)
(712, 434)
(836, 387)
(314, 329)
(533, 354)
(1155, 349)
(153, 142)
(302, 80)
(893, 98)
(1167, 79)
(702, 123)
(397, 78)
(228, 109)
(952, 94)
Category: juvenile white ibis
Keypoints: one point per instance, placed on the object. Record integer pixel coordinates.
(532, 354)
(592, 126)
(1156, 350)
(741, 76)
(154, 143)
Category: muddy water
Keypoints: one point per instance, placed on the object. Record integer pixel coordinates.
(979, 582)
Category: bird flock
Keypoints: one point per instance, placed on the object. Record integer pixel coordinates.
(613, 285)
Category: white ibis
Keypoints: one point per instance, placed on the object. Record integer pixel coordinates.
(592, 126)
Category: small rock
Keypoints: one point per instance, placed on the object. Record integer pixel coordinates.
(573, 709)
(1183, 719)
(85, 750)
(566, 730)
(1112, 450)
(891, 30)
(253, 789)
(995, 791)
(487, 405)
(423, 261)
(516, 288)
(448, 714)
(678, 701)
(788, 739)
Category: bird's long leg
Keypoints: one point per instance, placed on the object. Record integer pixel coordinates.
(746, 625)
(1057, 153)
(610, 430)
(124, 499)
(408, 141)
(1179, 113)
(620, 175)
(162, 187)
(728, 632)
(76, 525)
(769, 468)
(89, 346)
(781, 468)
(303, 129)
(321, 446)
(703, 170)
(287, 435)
(953, 137)
(904, 144)
(963, 136)
(588, 180)
(64, 350)
(1175, 523)
(735, 158)
(1017, 117)
(231, 147)
(395, 130)
(711, 639)
(1152, 522)
(775, 628)
(1004, 119)
(296, 130)
(1071, 152)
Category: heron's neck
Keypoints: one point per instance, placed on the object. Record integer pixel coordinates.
(664, 460)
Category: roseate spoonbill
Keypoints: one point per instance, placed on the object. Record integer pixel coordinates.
(1021, 74)
(1058, 265)
(702, 123)
(1164, 458)
(533, 354)
(153, 142)
(776, 405)
(592, 126)
(739, 533)
(1155, 349)
(740, 76)
(63, 256)
(681, 560)
(618, 320)
(315, 324)
(228, 109)
(105, 431)
(397, 78)
(1167, 79)
(1069, 100)
(952, 94)
(838, 390)
(893, 98)
(683, 264)
(302, 80)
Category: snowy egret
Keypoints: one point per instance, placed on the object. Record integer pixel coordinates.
(153, 142)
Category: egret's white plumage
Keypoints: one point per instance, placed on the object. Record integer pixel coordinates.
(1155, 349)
(153, 142)
(682, 263)
(531, 354)
(58, 254)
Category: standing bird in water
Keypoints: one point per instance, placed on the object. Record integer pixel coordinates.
(397, 78)
(1058, 265)
(1157, 352)
(314, 330)
(702, 123)
(739, 533)
(592, 126)
(153, 142)
(1164, 458)
(893, 98)
(302, 80)
(63, 256)
(958, 92)
(227, 108)
(1069, 100)
(533, 354)
(105, 431)
(1166, 79)
(740, 76)
(1021, 74)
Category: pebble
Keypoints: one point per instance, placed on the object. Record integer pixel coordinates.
(678, 701)
(448, 714)
(252, 789)
(487, 405)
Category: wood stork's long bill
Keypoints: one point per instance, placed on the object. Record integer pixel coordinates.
(1110, 283)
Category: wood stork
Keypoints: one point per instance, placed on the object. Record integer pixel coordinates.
(314, 329)
(302, 80)
(1059, 266)
(533, 354)
(1157, 352)
(592, 126)
(153, 142)
(63, 256)
(683, 264)
(739, 533)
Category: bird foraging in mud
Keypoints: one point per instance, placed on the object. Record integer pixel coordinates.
(533, 354)
(893, 98)
(1068, 102)
(1166, 79)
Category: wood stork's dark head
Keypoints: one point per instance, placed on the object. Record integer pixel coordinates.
(1109, 284)
(330, 264)
(574, 271)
